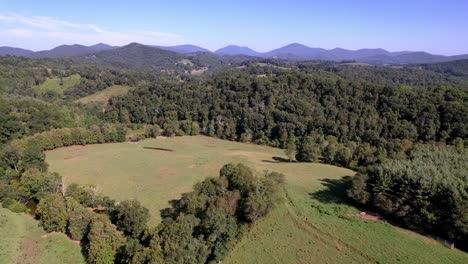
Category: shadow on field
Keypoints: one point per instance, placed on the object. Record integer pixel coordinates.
(277, 160)
(334, 191)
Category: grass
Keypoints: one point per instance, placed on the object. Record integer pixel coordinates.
(23, 241)
(104, 95)
(314, 223)
(54, 84)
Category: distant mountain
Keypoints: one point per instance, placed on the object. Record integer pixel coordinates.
(339, 54)
(298, 52)
(406, 58)
(183, 48)
(292, 52)
(135, 55)
(101, 47)
(238, 50)
(459, 57)
(295, 51)
(457, 68)
(70, 51)
(15, 51)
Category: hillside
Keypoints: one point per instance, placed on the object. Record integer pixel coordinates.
(314, 222)
(104, 95)
(57, 85)
(22, 241)
(291, 52)
(237, 50)
(183, 48)
(135, 55)
(70, 51)
(455, 68)
(15, 51)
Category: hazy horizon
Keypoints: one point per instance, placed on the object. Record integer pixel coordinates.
(435, 27)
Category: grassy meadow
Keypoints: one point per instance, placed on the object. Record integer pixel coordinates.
(53, 84)
(104, 95)
(23, 241)
(314, 223)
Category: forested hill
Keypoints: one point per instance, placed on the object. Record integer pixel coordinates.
(456, 68)
(135, 55)
(265, 109)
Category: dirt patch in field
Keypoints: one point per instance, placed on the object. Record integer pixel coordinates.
(161, 149)
(249, 154)
(54, 233)
(74, 156)
(199, 71)
(70, 148)
(167, 171)
(323, 236)
(51, 234)
(29, 251)
(368, 216)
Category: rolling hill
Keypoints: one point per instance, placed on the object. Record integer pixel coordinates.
(292, 52)
(183, 48)
(15, 51)
(295, 51)
(314, 222)
(238, 50)
(135, 55)
(70, 51)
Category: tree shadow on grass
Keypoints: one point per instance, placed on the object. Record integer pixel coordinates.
(334, 191)
(277, 160)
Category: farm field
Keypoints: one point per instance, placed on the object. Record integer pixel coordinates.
(104, 95)
(54, 84)
(314, 223)
(23, 241)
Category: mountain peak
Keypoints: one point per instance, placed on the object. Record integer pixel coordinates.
(185, 48)
(237, 50)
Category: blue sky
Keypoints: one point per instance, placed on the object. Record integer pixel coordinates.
(439, 27)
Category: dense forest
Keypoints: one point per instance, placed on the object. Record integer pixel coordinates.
(404, 130)
(268, 109)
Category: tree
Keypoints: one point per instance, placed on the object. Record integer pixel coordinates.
(37, 184)
(195, 129)
(329, 152)
(178, 243)
(79, 219)
(104, 241)
(52, 213)
(308, 150)
(220, 231)
(130, 218)
(152, 131)
(343, 156)
(291, 148)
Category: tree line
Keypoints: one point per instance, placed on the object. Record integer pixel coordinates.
(428, 191)
(267, 110)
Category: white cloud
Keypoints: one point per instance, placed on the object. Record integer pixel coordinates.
(39, 32)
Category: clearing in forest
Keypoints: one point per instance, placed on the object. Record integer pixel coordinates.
(104, 95)
(313, 224)
(57, 85)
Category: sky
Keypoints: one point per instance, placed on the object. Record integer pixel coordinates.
(438, 27)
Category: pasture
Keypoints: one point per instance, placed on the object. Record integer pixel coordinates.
(56, 85)
(23, 241)
(104, 95)
(314, 223)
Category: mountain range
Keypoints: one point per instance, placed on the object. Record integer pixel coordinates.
(293, 51)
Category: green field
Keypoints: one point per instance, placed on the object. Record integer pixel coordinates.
(312, 225)
(104, 95)
(23, 241)
(54, 84)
